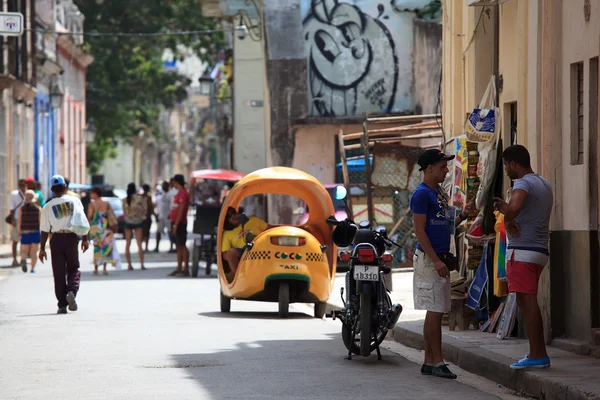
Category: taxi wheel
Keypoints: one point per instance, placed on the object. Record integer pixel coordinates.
(284, 299)
(225, 303)
(320, 310)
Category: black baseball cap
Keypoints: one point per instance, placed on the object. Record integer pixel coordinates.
(431, 156)
(179, 179)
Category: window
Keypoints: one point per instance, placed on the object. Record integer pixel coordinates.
(577, 113)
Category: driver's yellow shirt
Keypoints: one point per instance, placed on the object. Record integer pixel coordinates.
(236, 238)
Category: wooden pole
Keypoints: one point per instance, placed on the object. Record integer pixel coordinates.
(402, 128)
(397, 140)
(403, 118)
(345, 173)
(365, 145)
(400, 221)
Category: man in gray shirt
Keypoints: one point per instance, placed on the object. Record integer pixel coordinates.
(527, 220)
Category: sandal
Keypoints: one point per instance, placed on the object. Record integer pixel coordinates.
(104, 273)
(174, 273)
(144, 268)
(130, 268)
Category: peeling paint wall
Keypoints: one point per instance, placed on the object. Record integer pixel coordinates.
(427, 66)
(359, 57)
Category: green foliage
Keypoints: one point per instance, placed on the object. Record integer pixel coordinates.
(433, 10)
(126, 83)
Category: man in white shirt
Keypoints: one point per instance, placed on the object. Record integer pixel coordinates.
(163, 208)
(56, 219)
(17, 199)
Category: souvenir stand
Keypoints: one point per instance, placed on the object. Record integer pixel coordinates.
(479, 289)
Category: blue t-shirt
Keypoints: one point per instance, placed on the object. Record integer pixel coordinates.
(427, 201)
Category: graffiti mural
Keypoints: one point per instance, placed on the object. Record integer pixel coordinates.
(353, 63)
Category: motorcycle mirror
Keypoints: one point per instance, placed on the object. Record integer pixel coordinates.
(340, 193)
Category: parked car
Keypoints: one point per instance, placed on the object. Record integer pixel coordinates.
(117, 206)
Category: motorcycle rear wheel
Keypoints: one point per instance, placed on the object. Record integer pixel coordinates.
(354, 347)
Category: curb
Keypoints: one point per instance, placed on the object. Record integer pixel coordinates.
(495, 367)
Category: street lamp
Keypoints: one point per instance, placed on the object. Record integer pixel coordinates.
(246, 27)
(205, 84)
(90, 132)
(56, 96)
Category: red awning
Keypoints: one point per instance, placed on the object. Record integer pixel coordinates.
(218, 174)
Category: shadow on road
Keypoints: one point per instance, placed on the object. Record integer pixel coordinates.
(254, 315)
(138, 274)
(41, 315)
(310, 369)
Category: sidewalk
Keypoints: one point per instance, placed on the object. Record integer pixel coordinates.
(571, 376)
(6, 250)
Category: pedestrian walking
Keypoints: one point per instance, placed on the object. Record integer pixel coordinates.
(134, 212)
(178, 216)
(431, 276)
(527, 221)
(17, 199)
(57, 218)
(163, 202)
(103, 225)
(171, 197)
(30, 215)
(37, 188)
(149, 213)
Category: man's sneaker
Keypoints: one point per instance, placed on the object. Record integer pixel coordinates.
(427, 369)
(527, 362)
(62, 310)
(442, 371)
(71, 301)
(24, 265)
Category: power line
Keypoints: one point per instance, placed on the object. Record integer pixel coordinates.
(134, 34)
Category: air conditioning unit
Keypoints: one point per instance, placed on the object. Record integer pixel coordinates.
(475, 3)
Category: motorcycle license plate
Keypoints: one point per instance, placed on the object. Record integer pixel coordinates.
(366, 273)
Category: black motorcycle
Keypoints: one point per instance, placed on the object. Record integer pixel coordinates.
(368, 312)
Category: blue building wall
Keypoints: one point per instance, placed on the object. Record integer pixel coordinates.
(45, 141)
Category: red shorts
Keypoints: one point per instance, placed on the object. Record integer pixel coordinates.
(523, 277)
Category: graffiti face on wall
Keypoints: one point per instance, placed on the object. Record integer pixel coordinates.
(353, 66)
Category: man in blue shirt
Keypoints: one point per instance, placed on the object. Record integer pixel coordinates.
(431, 278)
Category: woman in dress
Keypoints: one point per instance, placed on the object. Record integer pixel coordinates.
(30, 215)
(135, 208)
(99, 215)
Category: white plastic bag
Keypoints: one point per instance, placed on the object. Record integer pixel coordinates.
(483, 127)
(79, 222)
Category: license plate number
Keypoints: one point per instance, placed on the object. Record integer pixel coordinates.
(366, 273)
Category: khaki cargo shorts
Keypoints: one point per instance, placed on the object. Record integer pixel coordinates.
(14, 234)
(431, 292)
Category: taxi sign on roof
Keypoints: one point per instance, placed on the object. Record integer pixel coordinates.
(11, 24)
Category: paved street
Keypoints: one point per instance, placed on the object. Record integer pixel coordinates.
(141, 335)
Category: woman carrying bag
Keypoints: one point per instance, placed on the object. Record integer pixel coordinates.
(103, 223)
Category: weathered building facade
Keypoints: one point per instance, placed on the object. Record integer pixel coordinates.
(548, 99)
(17, 96)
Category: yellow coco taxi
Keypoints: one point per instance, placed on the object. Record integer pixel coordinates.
(285, 263)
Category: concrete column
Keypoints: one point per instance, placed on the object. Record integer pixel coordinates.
(550, 12)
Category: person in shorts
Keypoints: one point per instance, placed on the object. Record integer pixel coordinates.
(29, 230)
(178, 216)
(527, 221)
(135, 208)
(431, 278)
